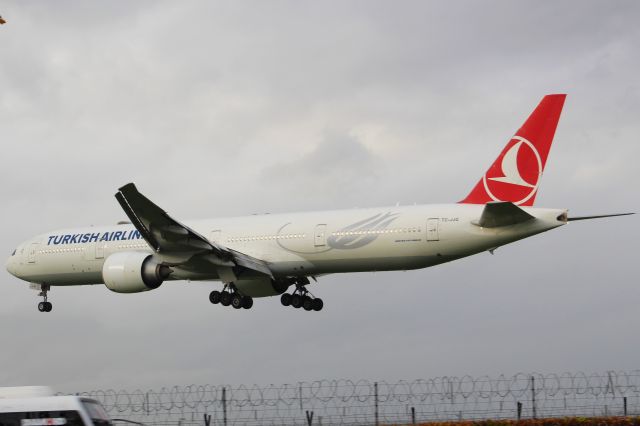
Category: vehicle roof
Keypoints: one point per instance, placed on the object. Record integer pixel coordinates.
(47, 403)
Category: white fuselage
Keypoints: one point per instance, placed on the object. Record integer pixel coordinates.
(296, 244)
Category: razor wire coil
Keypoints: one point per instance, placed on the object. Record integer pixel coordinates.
(345, 401)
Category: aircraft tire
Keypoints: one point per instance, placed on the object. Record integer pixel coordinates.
(225, 298)
(214, 297)
(236, 301)
(247, 302)
(296, 301)
(307, 303)
(48, 306)
(285, 299)
(318, 304)
(42, 307)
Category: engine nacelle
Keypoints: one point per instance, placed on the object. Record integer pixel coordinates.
(262, 287)
(133, 272)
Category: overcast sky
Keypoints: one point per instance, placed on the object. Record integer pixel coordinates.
(217, 109)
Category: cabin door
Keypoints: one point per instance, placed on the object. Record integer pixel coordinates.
(320, 235)
(100, 249)
(216, 236)
(433, 231)
(33, 249)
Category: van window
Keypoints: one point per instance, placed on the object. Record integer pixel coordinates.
(96, 412)
(41, 418)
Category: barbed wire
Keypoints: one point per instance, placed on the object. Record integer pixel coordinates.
(349, 402)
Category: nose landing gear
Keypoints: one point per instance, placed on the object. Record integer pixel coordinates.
(44, 306)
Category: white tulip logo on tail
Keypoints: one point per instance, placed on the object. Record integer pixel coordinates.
(518, 174)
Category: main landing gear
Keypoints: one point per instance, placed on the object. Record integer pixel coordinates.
(230, 296)
(44, 306)
(302, 298)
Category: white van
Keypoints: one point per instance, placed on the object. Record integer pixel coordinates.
(52, 411)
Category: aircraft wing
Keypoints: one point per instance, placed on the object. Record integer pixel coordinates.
(176, 244)
(502, 213)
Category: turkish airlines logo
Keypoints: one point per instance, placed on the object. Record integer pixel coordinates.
(519, 173)
(361, 233)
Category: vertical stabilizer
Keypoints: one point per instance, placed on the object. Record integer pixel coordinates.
(515, 175)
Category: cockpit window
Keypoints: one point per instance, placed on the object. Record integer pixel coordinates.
(14, 253)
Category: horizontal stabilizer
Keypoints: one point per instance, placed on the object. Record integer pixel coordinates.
(502, 213)
(570, 219)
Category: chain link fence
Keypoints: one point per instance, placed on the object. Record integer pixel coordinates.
(365, 402)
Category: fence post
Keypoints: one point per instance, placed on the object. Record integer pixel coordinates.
(533, 396)
(413, 415)
(624, 404)
(375, 396)
(610, 384)
(224, 405)
(519, 410)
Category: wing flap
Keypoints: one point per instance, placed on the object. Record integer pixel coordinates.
(502, 213)
(250, 262)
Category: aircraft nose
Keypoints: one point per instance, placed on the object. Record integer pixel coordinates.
(11, 266)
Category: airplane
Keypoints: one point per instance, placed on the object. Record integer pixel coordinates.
(266, 255)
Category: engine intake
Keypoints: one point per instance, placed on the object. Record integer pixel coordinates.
(133, 272)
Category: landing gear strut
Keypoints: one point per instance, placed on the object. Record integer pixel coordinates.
(44, 306)
(302, 298)
(230, 296)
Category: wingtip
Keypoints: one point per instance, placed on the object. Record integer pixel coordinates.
(129, 186)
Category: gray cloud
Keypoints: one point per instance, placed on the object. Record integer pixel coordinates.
(218, 109)
(339, 168)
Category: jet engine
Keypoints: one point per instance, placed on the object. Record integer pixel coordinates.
(261, 287)
(133, 272)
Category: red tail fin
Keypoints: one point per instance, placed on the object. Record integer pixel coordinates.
(516, 173)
